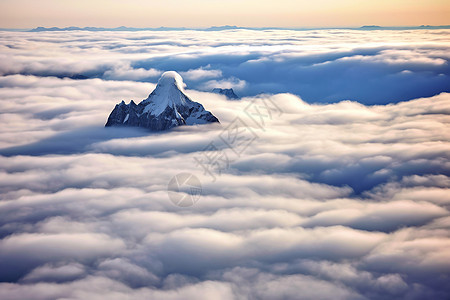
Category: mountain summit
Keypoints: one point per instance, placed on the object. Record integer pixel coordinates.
(166, 107)
(229, 93)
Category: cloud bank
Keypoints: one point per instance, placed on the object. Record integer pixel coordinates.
(370, 67)
(341, 200)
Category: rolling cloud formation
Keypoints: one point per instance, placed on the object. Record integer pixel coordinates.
(325, 196)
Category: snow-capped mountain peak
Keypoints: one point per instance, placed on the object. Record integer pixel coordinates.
(168, 93)
(166, 107)
(171, 78)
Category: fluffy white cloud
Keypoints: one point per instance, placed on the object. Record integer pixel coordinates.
(372, 67)
(201, 73)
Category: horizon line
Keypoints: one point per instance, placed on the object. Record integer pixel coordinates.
(217, 28)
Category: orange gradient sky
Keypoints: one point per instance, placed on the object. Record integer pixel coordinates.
(203, 13)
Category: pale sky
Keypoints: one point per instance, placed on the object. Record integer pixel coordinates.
(204, 13)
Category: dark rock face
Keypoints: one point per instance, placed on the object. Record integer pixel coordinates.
(229, 93)
(166, 107)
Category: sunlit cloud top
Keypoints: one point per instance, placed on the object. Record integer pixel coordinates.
(201, 13)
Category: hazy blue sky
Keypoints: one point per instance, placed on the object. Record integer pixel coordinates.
(143, 13)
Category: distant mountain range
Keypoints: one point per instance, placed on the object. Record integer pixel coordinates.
(124, 28)
(220, 28)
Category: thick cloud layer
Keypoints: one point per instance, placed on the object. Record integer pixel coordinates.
(316, 201)
(371, 67)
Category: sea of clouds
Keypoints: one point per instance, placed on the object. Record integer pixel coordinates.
(327, 197)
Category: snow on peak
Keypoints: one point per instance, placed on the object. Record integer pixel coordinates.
(171, 78)
(168, 93)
